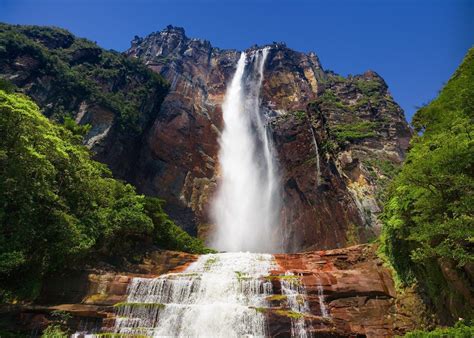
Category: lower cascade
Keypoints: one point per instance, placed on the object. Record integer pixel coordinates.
(219, 295)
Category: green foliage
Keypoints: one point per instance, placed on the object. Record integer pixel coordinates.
(353, 131)
(300, 114)
(462, 329)
(290, 314)
(7, 86)
(75, 128)
(369, 87)
(167, 234)
(12, 334)
(241, 276)
(328, 146)
(54, 331)
(261, 309)
(277, 297)
(328, 97)
(428, 216)
(81, 71)
(57, 206)
(56, 328)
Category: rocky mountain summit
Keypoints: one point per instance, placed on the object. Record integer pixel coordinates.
(338, 140)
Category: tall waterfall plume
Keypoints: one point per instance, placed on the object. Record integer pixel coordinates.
(247, 204)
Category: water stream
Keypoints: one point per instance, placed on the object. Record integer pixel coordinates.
(297, 302)
(246, 208)
(219, 295)
(227, 294)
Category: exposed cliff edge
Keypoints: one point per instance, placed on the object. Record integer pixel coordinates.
(337, 139)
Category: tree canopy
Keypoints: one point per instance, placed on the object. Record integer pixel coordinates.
(57, 205)
(429, 215)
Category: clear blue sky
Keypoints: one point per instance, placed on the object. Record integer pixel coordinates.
(414, 45)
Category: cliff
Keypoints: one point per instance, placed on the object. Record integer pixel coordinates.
(73, 77)
(338, 140)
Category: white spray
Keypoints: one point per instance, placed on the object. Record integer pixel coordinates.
(247, 203)
(217, 296)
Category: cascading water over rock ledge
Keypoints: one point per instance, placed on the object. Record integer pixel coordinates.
(247, 204)
(219, 295)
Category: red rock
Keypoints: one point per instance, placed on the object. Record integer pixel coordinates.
(180, 159)
(358, 290)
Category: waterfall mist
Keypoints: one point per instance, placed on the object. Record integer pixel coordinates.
(246, 208)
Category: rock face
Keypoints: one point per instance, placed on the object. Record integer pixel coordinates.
(357, 292)
(89, 295)
(337, 139)
(72, 77)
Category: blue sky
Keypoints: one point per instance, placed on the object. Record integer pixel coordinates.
(414, 45)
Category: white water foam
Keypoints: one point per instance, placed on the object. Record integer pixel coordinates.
(247, 202)
(297, 302)
(217, 296)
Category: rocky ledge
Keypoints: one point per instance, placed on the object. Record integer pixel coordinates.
(89, 295)
(357, 291)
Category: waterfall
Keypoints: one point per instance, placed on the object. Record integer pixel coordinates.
(316, 150)
(296, 297)
(247, 203)
(322, 305)
(219, 295)
(227, 294)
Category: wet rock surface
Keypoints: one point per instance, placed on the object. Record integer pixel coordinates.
(89, 295)
(349, 293)
(357, 291)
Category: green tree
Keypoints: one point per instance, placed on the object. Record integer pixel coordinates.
(58, 206)
(429, 215)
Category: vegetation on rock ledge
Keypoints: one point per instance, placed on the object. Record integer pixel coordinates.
(462, 329)
(63, 71)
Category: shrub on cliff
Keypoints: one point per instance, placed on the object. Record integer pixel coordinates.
(428, 218)
(58, 206)
(462, 329)
(62, 71)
